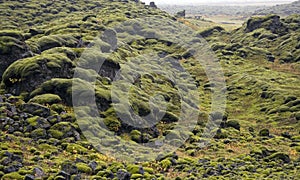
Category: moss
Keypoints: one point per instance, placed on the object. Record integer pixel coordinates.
(46, 99)
(84, 168)
(136, 135)
(210, 31)
(39, 133)
(282, 156)
(56, 134)
(11, 33)
(234, 124)
(63, 127)
(170, 117)
(166, 164)
(136, 176)
(75, 148)
(112, 123)
(59, 108)
(133, 169)
(33, 120)
(48, 42)
(264, 132)
(26, 75)
(13, 175)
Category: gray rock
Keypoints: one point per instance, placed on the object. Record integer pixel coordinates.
(38, 172)
(69, 169)
(93, 165)
(36, 109)
(10, 169)
(153, 5)
(29, 177)
(122, 175)
(64, 174)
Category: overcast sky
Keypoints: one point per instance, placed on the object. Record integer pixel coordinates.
(187, 2)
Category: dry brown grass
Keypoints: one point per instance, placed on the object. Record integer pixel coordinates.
(286, 67)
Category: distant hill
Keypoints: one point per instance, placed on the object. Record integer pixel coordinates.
(283, 9)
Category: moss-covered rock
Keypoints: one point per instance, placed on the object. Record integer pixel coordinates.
(282, 156)
(84, 168)
(28, 74)
(13, 175)
(264, 132)
(46, 99)
(75, 148)
(234, 124)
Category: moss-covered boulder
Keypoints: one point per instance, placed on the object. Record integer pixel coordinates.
(28, 74)
(264, 132)
(271, 22)
(46, 99)
(280, 156)
(12, 48)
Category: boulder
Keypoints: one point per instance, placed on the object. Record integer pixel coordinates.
(271, 23)
(36, 109)
(152, 5)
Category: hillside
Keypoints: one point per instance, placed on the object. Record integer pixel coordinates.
(116, 89)
(282, 9)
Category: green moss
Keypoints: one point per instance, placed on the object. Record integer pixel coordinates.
(166, 164)
(264, 132)
(234, 124)
(84, 168)
(35, 71)
(59, 108)
(282, 156)
(136, 135)
(63, 127)
(133, 169)
(56, 134)
(13, 175)
(136, 176)
(39, 133)
(48, 42)
(11, 33)
(112, 123)
(46, 99)
(76, 148)
(33, 120)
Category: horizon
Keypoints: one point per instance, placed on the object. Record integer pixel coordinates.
(219, 2)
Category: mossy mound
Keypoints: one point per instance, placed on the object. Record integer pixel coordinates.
(28, 74)
(46, 99)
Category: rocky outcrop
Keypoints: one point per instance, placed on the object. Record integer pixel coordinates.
(271, 23)
(153, 5)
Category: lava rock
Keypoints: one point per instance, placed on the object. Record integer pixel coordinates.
(64, 174)
(29, 177)
(36, 109)
(38, 172)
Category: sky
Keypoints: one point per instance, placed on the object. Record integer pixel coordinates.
(222, 2)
